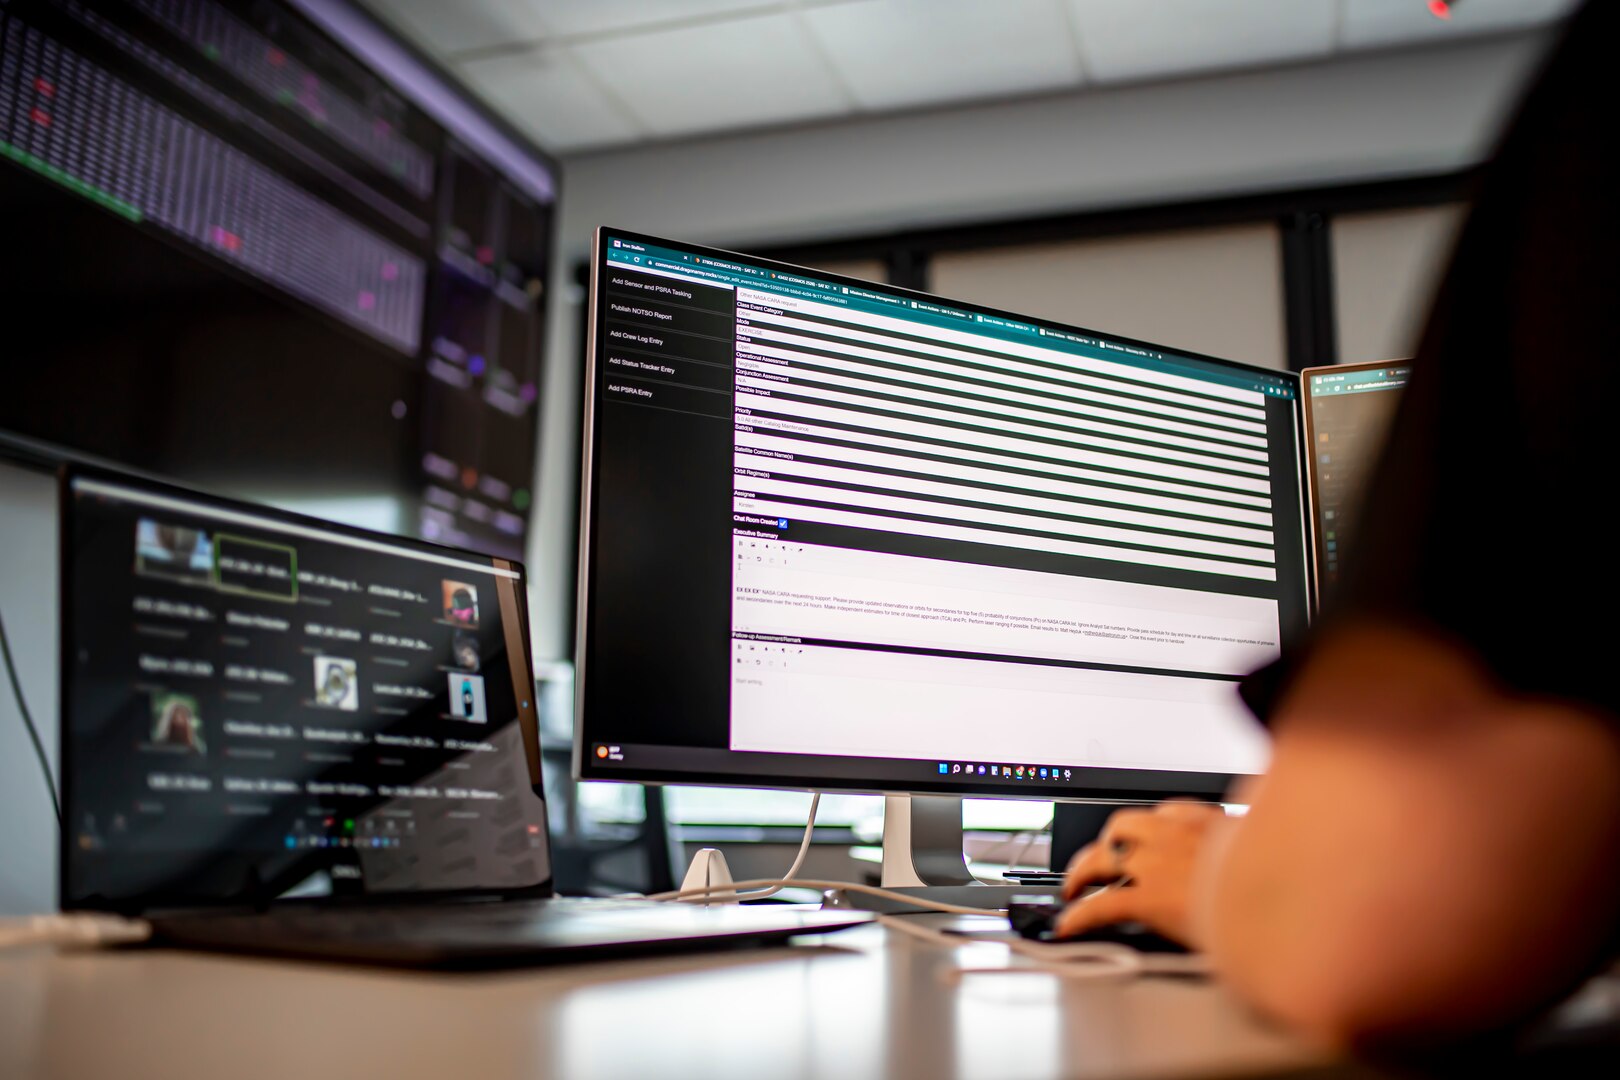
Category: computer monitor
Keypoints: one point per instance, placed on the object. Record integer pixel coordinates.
(844, 536)
(1348, 411)
(259, 705)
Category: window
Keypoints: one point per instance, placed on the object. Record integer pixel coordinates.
(1386, 266)
(621, 803)
(1211, 290)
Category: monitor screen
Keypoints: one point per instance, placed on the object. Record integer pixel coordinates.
(1348, 411)
(845, 536)
(258, 705)
(260, 246)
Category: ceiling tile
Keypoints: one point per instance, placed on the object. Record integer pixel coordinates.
(741, 73)
(442, 28)
(1141, 39)
(546, 94)
(1369, 23)
(898, 53)
(569, 17)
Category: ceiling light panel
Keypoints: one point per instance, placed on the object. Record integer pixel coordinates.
(551, 99)
(740, 73)
(900, 53)
(572, 17)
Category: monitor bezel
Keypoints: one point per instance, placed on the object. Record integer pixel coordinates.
(528, 720)
(1100, 784)
(1308, 463)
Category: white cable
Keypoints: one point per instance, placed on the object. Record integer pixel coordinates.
(1074, 959)
(28, 723)
(760, 887)
(798, 861)
(1063, 956)
(804, 847)
(77, 930)
(782, 882)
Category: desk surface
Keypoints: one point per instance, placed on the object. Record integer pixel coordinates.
(863, 1003)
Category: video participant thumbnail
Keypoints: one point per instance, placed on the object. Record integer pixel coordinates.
(464, 651)
(257, 568)
(460, 603)
(173, 551)
(177, 723)
(337, 683)
(467, 698)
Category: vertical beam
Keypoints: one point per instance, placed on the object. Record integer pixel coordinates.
(908, 267)
(1307, 266)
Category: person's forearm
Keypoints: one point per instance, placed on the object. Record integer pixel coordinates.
(1426, 858)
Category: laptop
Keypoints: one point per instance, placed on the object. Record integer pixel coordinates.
(1348, 410)
(289, 737)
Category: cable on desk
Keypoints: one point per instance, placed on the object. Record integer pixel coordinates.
(783, 882)
(798, 861)
(758, 888)
(809, 829)
(1072, 960)
(28, 722)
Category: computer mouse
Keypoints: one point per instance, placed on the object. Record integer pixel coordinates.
(1034, 917)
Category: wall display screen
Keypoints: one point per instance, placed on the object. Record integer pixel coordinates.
(262, 247)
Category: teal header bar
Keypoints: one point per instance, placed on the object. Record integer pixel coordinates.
(1361, 382)
(634, 255)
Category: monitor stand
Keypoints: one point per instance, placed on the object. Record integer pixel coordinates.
(922, 857)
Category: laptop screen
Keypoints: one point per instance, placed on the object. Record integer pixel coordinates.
(257, 705)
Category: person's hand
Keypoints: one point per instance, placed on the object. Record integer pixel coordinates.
(1147, 858)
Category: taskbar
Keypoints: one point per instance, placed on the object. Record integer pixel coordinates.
(648, 763)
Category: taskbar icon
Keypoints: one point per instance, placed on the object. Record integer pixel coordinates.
(1004, 772)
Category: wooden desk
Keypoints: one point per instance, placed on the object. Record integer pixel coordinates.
(863, 1003)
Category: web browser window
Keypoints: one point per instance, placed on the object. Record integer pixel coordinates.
(1349, 413)
(879, 529)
